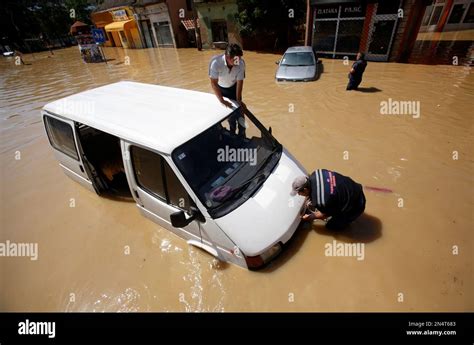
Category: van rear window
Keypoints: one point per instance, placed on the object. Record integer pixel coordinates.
(61, 136)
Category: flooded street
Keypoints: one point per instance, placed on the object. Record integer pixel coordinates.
(417, 235)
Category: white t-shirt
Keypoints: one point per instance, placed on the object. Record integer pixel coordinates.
(218, 70)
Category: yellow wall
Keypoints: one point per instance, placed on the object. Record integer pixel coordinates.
(136, 38)
(118, 42)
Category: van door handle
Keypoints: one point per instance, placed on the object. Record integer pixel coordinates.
(82, 168)
(136, 194)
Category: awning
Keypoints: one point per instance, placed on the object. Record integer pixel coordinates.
(117, 26)
(189, 24)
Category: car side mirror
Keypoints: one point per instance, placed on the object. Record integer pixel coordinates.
(319, 62)
(277, 62)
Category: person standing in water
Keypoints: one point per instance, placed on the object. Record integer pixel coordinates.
(330, 196)
(356, 72)
(227, 74)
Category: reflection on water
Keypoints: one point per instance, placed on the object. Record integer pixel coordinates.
(419, 203)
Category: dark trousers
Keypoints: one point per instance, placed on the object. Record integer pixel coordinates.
(353, 84)
(339, 222)
(231, 93)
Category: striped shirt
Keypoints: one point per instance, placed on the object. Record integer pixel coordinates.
(333, 193)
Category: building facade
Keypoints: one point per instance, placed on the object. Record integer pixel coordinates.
(119, 26)
(218, 25)
(386, 30)
(448, 15)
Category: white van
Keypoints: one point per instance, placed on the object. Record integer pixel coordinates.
(172, 151)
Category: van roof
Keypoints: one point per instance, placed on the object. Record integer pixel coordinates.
(155, 116)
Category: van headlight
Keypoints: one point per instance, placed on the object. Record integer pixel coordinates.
(254, 262)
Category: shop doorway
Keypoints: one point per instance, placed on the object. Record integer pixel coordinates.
(163, 34)
(382, 30)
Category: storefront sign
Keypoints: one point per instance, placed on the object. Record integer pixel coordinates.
(119, 15)
(347, 11)
(327, 11)
(353, 10)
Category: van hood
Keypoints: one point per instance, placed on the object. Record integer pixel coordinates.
(271, 215)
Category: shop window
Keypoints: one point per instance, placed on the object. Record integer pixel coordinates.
(456, 14)
(427, 16)
(61, 136)
(469, 19)
(219, 31)
(348, 37)
(324, 35)
(383, 30)
(436, 15)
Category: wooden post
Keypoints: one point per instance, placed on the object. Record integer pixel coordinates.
(309, 24)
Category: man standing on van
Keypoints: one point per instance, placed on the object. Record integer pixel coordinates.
(331, 195)
(356, 72)
(227, 73)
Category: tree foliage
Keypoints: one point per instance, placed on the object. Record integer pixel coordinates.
(25, 19)
(270, 17)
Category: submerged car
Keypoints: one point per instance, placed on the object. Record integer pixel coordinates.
(173, 152)
(298, 64)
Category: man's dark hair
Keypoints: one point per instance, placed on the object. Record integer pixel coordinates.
(362, 56)
(306, 185)
(233, 49)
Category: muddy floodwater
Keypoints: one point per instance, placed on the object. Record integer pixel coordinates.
(417, 231)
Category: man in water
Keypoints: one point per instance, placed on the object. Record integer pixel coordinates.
(227, 74)
(356, 72)
(331, 196)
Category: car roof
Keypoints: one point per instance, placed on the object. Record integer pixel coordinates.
(299, 49)
(159, 117)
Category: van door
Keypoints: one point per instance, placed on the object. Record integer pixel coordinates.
(62, 137)
(157, 190)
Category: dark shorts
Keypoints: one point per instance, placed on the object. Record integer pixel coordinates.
(231, 93)
(353, 84)
(339, 222)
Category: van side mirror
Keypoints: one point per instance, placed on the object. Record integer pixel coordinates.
(179, 220)
(277, 62)
(319, 62)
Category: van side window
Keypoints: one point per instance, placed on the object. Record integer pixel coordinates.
(61, 136)
(177, 195)
(148, 171)
(154, 175)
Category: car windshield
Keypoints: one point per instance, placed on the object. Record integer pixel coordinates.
(226, 163)
(298, 59)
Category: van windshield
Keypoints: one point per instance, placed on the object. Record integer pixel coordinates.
(226, 164)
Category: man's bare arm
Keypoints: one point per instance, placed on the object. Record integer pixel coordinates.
(218, 93)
